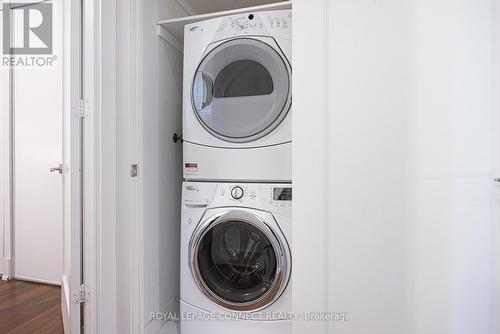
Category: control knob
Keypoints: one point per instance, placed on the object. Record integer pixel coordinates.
(237, 192)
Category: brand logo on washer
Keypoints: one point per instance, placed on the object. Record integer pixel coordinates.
(192, 188)
(191, 167)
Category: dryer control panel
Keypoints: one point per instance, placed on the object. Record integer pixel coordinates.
(243, 24)
(275, 23)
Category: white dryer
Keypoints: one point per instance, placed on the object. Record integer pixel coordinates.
(235, 258)
(237, 98)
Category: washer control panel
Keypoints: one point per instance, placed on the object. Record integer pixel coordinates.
(238, 193)
(280, 196)
(273, 197)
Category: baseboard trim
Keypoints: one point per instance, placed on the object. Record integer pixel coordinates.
(36, 280)
(8, 268)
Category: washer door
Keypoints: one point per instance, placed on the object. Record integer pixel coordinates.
(239, 262)
(241, 89)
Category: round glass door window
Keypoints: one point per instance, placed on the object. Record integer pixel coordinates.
(239, 265)
(241, 90)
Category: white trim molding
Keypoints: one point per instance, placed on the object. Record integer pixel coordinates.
(36, 280)
(495, 249)
(91, 162)
(129, 243)
(106, 167)
(310, 112)
(7, 265)
(6, 228)
(137, 255)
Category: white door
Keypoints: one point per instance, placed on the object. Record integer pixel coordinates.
(399, 212)
(37, 148)
(72, 277)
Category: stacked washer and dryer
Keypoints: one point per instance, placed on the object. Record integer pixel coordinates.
(237, 195)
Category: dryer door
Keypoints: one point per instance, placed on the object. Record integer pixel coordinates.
(241, 89)
(239, 262)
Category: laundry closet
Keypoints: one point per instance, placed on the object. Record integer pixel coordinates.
(163, 137)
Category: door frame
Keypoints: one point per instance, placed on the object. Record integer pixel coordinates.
(129, 131)
(92, 24)
(6, 176)
(91, 208)
(82, 209)
(130, 273)
(100, 164)
(82, 38)
(495, 253)
(310, 111)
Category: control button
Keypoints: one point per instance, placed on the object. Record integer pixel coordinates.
(237, 192)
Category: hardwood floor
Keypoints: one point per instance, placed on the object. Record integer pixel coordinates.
(27, 307)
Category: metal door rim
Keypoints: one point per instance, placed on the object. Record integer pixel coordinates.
(280, 248)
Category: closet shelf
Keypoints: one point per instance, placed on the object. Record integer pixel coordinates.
(172, 30)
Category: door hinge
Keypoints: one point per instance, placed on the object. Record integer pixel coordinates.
(81, 294)
(81, 108)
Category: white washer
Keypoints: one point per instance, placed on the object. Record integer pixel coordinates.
(237, 98)
(235, 258)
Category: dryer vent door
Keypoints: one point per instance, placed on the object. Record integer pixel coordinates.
(241, 89)
(239, 263)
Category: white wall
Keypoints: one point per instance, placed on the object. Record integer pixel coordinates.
(162, 171)
(406, 153)
(453, 156)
